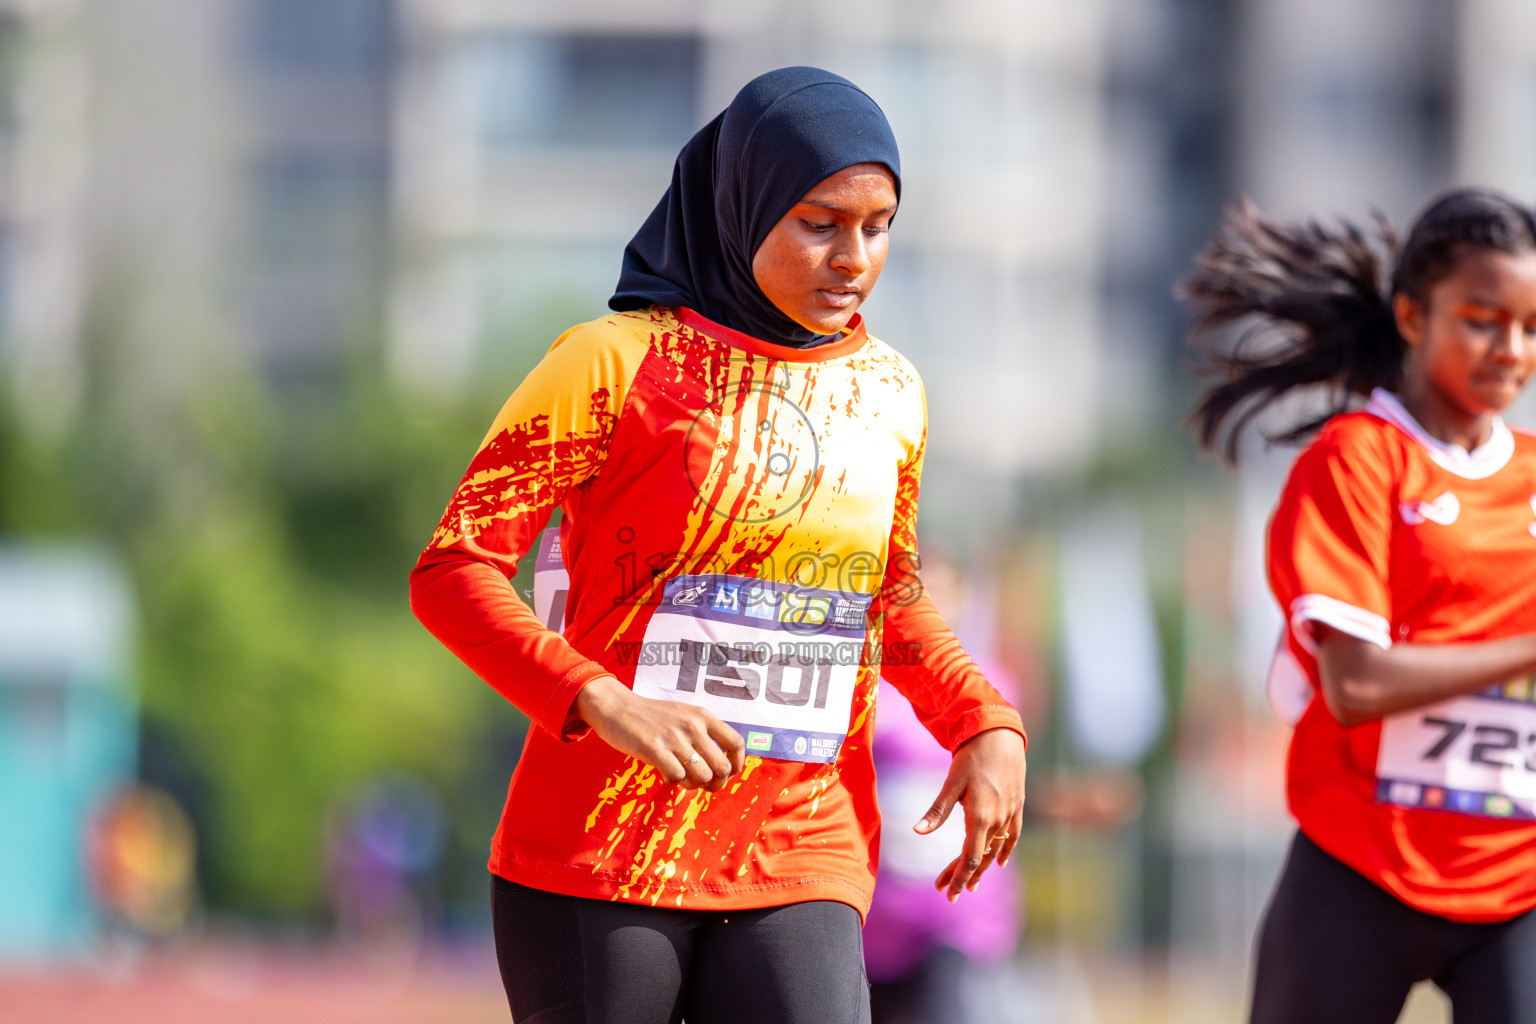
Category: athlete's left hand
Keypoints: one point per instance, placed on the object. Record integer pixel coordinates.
(987, 777)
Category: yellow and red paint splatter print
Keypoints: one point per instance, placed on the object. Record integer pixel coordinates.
(676, 446)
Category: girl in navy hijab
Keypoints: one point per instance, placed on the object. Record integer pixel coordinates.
(785, 132)
(691, 829)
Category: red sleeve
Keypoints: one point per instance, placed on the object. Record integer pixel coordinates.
(922, 657)
(1330, 540)
(550, 437)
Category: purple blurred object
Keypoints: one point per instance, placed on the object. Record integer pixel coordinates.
(910, 918)
(385, 846)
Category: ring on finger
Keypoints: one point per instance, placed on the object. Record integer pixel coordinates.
(692, 759)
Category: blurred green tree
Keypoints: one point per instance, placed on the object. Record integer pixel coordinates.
(270, 531)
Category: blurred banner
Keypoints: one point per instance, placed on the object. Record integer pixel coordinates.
(67, 737)
(1114, 677)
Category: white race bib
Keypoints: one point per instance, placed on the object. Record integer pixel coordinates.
(551, 581)
(1470, 755)
(776, 661)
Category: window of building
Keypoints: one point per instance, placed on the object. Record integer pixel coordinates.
(7, 285)
(322, 35)
(585, 90)
(11, 41)
(318, 238)
(317, 207)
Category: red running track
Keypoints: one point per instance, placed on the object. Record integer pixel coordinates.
(231, 986)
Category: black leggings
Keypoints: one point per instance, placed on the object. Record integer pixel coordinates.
(1336, 948)
(568, 960)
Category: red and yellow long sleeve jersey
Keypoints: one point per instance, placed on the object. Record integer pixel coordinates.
(738, 531)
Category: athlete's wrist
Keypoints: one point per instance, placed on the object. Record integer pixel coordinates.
(1527, 646)
(600, 699)
(997, 734)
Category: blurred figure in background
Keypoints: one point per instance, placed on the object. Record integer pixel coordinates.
(142, 857)
(920, 949)
(385, 850)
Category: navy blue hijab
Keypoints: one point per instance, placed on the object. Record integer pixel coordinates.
(785, 132)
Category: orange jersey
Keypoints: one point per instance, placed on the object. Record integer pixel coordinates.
(1389, 535)
(737, 534)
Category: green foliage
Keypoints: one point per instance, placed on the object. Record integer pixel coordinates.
(270, 536)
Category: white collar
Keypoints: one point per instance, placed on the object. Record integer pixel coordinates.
(1483, 461)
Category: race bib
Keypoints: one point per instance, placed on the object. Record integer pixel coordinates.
(551, 581)
(1469, 755)
(776, 661)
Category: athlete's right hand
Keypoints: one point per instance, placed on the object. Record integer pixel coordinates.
(689, 746)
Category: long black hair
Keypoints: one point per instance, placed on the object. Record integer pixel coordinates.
(1322, 300)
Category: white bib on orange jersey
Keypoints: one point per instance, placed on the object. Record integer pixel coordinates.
(1469, 755)
(551, 581)
(778, 662)
(775, 661)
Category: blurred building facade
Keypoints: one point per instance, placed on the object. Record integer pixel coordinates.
(1348, 107)
(534, 138)
(288, 178)
(1496, 98)
(294, 178)
(45, 79)
(319, 81)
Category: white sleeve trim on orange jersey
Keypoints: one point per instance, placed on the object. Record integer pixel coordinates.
(1346, 618)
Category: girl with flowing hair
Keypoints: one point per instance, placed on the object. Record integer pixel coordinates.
(1403, 556)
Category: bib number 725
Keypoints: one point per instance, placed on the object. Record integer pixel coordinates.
(1491, 745)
